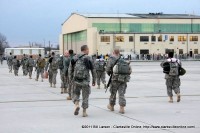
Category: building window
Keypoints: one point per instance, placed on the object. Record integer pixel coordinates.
(171, 39)
(153, 38)
(196, 51)
(130, 38)
(180, 51)
(144, 38)
(119, 39)
(160, 38)
(182, 38)
(193, 38)
(105, 38)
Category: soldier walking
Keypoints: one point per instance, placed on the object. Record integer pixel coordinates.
(40, 64)
(172, 76)
(30, 65)
(100, 71)
(82, 65)
(24, 65)
(9, 62)
(70, 81)
(119, 71)
(52, 67)
(16, 65)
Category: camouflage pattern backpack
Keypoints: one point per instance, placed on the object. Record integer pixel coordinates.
(121, 67)
(80, 70)
(100, 65)
(54, 64)
(174, 68)
(30, 62)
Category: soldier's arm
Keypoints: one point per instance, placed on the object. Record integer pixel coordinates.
(70, 71)
(109, 66)
(47, 65)
(93, 72)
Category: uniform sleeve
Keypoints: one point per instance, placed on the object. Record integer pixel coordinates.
(47, 65)
(109, 66)
(93, 71)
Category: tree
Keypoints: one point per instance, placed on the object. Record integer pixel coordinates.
(3, 43)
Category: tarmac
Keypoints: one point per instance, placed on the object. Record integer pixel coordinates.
(28, 106)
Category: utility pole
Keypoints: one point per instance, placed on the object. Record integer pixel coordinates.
(49, 47)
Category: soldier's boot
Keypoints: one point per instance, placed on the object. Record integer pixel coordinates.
(178, 97)
(121, 110)
(42, 80)
(170, 99)
(98, 87)
(65, 90)
(77, 108)
(84, 113)
(54, 85)
(104, 85)
(62, 90)
(50, 84)
(110, 107)
(30, 77)
(36, 79)
(69, 98)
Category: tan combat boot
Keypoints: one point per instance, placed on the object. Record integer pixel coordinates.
(84, 113)
(178, 97)
(121, 110)
(77, 108)
(36, 79)
(69, 98)
(110, 107)
(170, 99)
(42, 80)
(54, 85)
(50, 84)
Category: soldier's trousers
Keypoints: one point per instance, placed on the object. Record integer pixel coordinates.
(25, 71)
(119, 87)
(40, 71)
(63, 79)
(15, 68)
(70, 88)
(85, 94)
(30, 71)
(101, 76)
(10, 66)
(52, 76)
(173, 83)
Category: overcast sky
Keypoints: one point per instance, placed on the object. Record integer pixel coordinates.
(24, 21)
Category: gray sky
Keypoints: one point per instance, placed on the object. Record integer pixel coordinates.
(24, 21)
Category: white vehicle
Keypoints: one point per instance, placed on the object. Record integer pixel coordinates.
(28, 51)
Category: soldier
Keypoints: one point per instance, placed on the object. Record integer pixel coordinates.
(172, 76)
(40, 64)
(1, 59)
(100, 71)
(30, 65)
(52, 64)
(119, 71)
(9, 62)
(70, 82)
(16, 65)
(82, 65)
(24, 65)
(63, 72)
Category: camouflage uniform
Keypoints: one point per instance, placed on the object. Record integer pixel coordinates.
(1, 59)
(172, 82)
(15, 67)
(24, 65)
(39, 68)
(66, 62)
(70, 77)
(116, 85)
(52, 72)
(30, 65)
(101, 75)
(10, 63)
(83, 84)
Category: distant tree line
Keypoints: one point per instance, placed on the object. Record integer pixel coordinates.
(3, 43)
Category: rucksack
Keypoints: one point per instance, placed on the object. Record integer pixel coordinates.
(18, 63)
(100, 65)
(60, 63)
(30, 62)
(54, 64)
(41, 63)
(121, 67)
(174, 68)
(80, 70)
